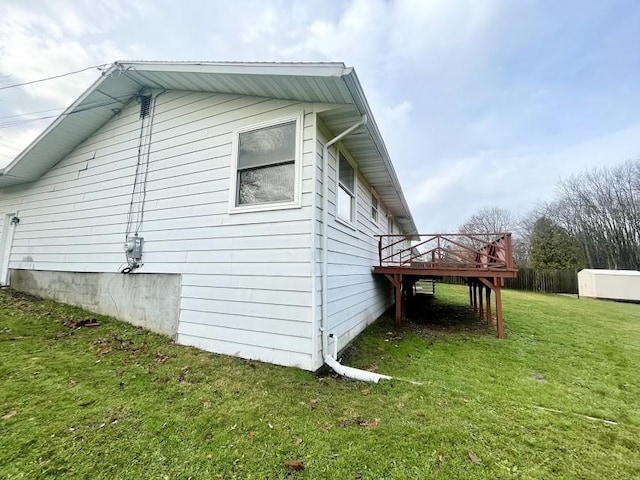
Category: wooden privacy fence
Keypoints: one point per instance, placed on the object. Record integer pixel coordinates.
(532, 280)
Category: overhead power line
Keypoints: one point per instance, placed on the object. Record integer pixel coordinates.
(28, 115)
(14, 122)
(51, 78)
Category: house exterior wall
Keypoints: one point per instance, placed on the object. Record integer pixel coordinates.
(245, 277)
(356, 297)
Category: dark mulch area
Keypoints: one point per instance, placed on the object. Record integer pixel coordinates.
(426, 311)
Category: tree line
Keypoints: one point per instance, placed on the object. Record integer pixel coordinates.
(593, 221)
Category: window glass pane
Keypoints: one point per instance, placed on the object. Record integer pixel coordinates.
(374, 208)
(266, 184)
(345, 209)
(267, 146)
(347, 176)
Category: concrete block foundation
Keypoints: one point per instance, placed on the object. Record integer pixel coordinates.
(149, 300)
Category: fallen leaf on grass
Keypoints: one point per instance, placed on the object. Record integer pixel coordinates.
(296, 465)
(314, 402)
(365, 392)
(251, 435)
(473, 458)
(299, 441)
(370, 424)
(79, 323)
(351, 422)
(182, 376)
(8, 415)
(102, 346)
(160, 358)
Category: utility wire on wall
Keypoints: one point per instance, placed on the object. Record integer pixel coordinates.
(135, 216)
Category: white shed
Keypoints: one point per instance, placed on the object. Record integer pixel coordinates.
(610, 284)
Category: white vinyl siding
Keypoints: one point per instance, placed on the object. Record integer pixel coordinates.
(357, 297)
(246, 277)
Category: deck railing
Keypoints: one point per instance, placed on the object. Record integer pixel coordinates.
(455, 251)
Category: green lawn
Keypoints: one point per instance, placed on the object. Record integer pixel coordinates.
(113, 401)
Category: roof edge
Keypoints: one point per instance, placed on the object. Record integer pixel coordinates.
(354, 86)
(328, 69)
(105, 74)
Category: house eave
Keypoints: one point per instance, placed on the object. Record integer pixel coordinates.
(319, 83)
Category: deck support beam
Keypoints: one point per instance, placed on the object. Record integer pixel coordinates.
(475, 297)
(499, 321)
(399, 295)
(489, 319)
(495, 284)
(397, 323)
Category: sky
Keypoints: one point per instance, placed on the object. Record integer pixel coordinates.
(480, 102)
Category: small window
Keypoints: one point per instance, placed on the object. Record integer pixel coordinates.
(374, 208)
(266, 165)
(346, 190)
(390, 224)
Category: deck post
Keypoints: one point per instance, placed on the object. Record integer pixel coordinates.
(499, 322)
(481, 302)
(398, 284)
(489, 319)
(403, 310)
(475, 297)
(470, 293)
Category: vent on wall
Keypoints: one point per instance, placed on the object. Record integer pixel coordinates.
(145, 105)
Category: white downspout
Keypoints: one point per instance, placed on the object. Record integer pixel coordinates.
(337, 367)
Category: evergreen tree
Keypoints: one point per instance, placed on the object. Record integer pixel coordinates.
(552, 247)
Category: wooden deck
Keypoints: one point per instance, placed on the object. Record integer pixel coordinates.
(483, 260)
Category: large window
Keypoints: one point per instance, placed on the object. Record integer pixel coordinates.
(266, 165)
(346, 190)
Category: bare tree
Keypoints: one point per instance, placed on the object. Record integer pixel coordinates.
(489, 220)
(494, 220)
(601, 208)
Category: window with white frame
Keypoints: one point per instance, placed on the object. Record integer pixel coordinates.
(374, 208)
(390, 224)
(266, 165)
(346, 190)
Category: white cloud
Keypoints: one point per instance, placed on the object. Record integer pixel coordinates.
(47, 41)
(12, 143)
(441, 183)
(38, 45)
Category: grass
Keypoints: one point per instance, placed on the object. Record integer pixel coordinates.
(113, 401)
